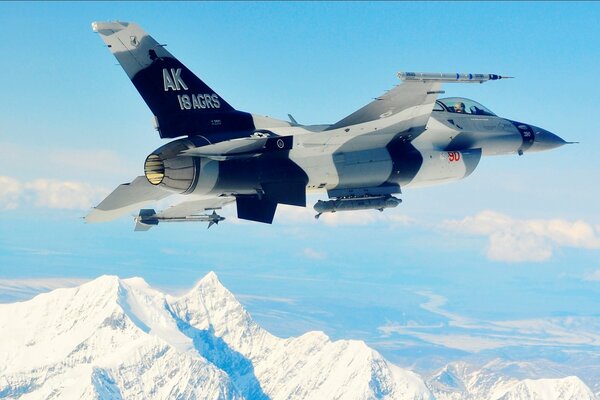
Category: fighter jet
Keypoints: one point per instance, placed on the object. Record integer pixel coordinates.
(219, 155)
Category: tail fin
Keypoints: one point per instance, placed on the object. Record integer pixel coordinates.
(180, 101)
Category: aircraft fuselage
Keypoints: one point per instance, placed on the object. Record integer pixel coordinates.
(404, 138)
(449, 149)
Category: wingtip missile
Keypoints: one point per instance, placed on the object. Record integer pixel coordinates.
(449, 77)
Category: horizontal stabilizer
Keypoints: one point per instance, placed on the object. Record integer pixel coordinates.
(241, 148)
(125, 198)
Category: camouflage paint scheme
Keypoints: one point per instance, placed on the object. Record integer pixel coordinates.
(220, 155)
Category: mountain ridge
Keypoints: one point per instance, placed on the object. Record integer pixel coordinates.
(120, 338)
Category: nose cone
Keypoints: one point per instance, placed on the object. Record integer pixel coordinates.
(544, 140)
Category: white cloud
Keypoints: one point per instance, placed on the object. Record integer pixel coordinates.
(516, 240)
(593, 276)
(291, 215)
(47, 193)
(297, 215)
(63, 194)
(517, 246)
(294, 215)
(69, 162)
(10, 192)
(313, 254)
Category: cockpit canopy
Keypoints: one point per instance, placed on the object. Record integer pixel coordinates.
(461, 105)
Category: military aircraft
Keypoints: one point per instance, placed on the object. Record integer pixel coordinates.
(403, 138)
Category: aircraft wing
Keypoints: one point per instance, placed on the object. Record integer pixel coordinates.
(414, 99)
(125, 198)
(417, 95)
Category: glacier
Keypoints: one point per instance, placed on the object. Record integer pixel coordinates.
(114, 338)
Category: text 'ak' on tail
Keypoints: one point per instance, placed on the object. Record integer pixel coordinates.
(182, 103)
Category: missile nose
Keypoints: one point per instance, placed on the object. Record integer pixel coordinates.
(545, 140)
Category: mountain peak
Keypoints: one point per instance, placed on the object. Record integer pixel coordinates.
(98, 291)
(113, 337)
(135, 281)
(210, 279)
(210, 305)
(122, 337)
(211, 275)
(209, 295)
(103, 282)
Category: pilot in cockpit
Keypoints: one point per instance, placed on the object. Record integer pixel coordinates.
(459, 107)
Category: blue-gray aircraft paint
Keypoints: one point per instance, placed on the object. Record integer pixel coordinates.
(401, 139)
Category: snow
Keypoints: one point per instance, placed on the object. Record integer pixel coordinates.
(569, 388)
(114, 338)
(117, 338)
(461, 381)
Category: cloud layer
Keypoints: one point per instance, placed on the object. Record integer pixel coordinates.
(64, 163)
(517, 240)
(47, 193)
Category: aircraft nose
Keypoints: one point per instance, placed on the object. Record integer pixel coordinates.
(545, 140)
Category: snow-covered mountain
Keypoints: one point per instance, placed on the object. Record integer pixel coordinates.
(113, 338)
(117, 338)
(491, 382)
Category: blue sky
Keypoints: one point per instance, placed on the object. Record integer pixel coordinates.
(518, 240)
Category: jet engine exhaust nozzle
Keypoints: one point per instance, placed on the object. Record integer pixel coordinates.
(165, 167)
(154, 169)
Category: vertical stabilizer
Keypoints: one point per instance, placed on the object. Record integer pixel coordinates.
(181, 102)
